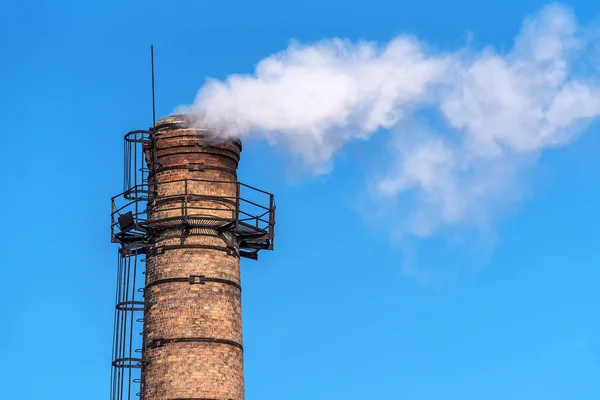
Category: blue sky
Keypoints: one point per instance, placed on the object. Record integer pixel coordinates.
(333, 312)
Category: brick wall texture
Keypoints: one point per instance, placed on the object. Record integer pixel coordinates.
(184, 316)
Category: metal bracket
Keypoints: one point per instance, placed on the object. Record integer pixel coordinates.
(152, 344)
(198, 398)
(195, 166)
(197, 279)
(194, 280)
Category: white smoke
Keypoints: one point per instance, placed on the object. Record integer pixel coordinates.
(498, 112)
(316, 98)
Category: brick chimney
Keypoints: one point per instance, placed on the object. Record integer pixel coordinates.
(192, 338)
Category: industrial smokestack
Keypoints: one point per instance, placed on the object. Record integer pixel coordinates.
(187, 215)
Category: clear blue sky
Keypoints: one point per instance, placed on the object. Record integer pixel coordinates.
(328, 314)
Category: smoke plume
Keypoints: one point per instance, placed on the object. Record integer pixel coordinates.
(484, 116)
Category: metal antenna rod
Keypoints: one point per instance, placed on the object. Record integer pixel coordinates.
(153, 101)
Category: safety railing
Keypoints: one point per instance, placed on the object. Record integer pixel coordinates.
(135, 168)
(248, 212)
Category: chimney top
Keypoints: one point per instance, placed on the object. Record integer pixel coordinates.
(194, 122)
(185, 120)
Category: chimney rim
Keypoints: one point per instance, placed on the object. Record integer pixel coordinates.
(188, 122)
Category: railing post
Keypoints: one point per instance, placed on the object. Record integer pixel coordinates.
(272, 218)
(237, 207)
(112, 219)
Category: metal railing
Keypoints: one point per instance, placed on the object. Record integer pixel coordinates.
(251, 219)
(135, 168)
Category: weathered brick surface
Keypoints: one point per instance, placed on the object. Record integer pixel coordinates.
(193, 370)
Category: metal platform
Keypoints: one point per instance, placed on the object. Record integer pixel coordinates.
(251, 221)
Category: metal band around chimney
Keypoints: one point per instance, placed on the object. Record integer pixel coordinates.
(231, 251)
(197, 167)
(205, 149)
(198, 398)
(178, 198)
(208, 145)
(161, 342)
(195, 279)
